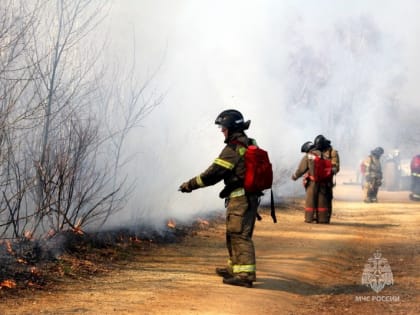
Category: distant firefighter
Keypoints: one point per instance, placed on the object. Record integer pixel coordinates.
(318, 168)
(331, 154)
(305, 148)
(415, 178)
(371, 170)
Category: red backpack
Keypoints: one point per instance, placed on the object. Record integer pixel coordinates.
(322, 169)
(415, 164)
(258, 168)
(258, 172)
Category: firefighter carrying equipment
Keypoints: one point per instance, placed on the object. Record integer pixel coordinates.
(323, 170)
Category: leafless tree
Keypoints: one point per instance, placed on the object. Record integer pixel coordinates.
(15, 78)
(56, 172)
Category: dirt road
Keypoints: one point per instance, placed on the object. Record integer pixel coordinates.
(302, 268)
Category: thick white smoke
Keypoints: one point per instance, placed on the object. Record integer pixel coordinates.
(296, 69)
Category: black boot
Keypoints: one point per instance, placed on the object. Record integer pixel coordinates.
(238, 281)
(223, 272)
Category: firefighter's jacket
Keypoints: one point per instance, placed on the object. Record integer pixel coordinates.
(307, 165)
(332, 154)
(371, 169)
(229, 166)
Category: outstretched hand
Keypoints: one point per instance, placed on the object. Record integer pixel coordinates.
(185, 188)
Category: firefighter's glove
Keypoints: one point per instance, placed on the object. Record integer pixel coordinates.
(185, 188)
(294, 177)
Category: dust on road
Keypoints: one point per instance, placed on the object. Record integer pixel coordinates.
(302, 268)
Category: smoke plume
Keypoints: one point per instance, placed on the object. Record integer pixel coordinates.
(296, 69)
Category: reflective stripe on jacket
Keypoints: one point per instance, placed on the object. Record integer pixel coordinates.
(229, 166)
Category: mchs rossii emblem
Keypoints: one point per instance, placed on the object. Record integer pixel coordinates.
(377, 273)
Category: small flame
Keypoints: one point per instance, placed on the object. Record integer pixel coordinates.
(78, 227)
(78, 230)
(8, 284)
(21, 260)
(171, 224)
(34, 270)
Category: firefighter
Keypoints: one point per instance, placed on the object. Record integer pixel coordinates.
(371, 170)
(317, 192)
(329, 153)
(241, 207)
(305, 148)
(415, 178)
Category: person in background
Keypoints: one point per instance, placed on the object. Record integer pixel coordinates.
(305, 148)
(241, 206)
(328, 153)
(371, 170)
(415, 178)
(317, 199)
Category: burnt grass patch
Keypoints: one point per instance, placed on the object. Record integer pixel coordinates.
(30, 265)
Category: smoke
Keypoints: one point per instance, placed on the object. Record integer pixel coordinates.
(296, 69)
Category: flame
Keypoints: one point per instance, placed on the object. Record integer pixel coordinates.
(171, 224)
(78, 227)
(8, 284)
(21, 260)
(34, 270)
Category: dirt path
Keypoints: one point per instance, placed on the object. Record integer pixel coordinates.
(302, 269)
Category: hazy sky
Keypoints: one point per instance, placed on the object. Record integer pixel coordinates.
(214, 55)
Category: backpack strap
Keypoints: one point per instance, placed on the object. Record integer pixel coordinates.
(273, 210)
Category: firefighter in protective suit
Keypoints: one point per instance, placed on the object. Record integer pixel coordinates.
(371, 169)
(241, 206)
(415, 178)
(329, 153)
(305, 148)
(318, 200)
